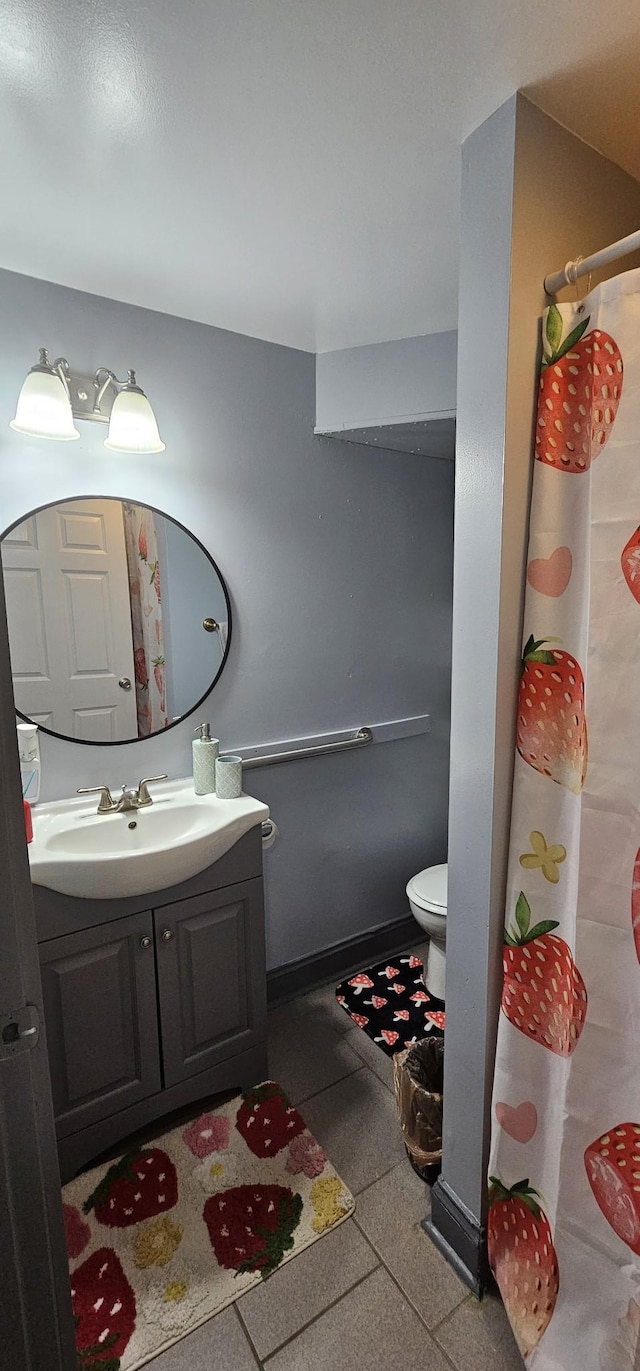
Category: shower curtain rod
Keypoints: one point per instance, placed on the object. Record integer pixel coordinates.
(583, 265)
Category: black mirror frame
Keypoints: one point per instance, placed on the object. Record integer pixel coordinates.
(160, 732)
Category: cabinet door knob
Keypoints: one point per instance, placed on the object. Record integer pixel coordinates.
(146, 941)
(166, 935)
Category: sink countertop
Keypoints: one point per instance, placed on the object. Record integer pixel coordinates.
(79, 852)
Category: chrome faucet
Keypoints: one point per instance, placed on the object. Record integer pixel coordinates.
(129, 799)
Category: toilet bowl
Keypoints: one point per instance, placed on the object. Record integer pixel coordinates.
(427, 893)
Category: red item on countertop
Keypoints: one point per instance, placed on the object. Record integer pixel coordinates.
(28, 821)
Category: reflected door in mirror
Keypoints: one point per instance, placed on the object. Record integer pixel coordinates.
(109, 606)
(69, 620)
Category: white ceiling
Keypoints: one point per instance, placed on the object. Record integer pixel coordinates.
(283, 168)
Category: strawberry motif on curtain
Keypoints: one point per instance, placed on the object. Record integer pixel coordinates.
(564, 1202)
(146, 618)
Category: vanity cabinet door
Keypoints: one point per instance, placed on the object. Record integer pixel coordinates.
(211, 978)
(99, 989)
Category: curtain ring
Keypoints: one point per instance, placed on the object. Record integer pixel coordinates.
(576, 264)
(581, 290)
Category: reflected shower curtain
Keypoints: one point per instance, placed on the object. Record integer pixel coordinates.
(564, 1215)
(145, 595)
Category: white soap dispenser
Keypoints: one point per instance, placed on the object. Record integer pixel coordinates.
(205, 752)
(29, 753)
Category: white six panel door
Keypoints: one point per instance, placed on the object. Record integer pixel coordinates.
(67, 592)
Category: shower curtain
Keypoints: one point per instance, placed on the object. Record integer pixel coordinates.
(564, 1212)
(145, 595)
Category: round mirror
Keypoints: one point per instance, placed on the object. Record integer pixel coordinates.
(119, 620)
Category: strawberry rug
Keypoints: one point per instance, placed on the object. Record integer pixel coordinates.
(390, 1003)
(163, 1238)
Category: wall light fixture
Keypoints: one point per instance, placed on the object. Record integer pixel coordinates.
(53, 396)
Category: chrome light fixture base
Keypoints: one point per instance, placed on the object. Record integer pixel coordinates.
(91, 397)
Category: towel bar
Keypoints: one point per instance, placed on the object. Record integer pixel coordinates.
(361, 738)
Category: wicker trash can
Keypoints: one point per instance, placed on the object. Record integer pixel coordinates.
(418, 1075)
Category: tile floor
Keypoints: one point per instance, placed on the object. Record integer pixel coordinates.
(375, 1291)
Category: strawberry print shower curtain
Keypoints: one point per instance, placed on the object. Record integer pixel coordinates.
(146, 618)
(564, 1201)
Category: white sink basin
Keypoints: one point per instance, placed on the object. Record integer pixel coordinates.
(98, 856)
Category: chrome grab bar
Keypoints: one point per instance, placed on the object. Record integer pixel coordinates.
(361, 738)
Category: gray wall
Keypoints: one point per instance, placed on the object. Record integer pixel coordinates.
(404, 379)
(338, 562)
(533, 196)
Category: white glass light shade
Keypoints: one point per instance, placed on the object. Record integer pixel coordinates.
(132, 426)
(44, 409)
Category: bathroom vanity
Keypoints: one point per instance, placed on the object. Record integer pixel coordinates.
(152, 1002)
(149, 908)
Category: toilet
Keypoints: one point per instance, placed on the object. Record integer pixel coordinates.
(427, 894)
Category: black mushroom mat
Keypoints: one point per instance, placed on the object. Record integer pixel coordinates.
(390, 1003)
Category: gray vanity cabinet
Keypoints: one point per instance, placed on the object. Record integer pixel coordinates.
(208, 948)
(99, 992)
(152, 1003)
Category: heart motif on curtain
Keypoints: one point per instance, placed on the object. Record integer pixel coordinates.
(519, 1121)
(551, 575)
